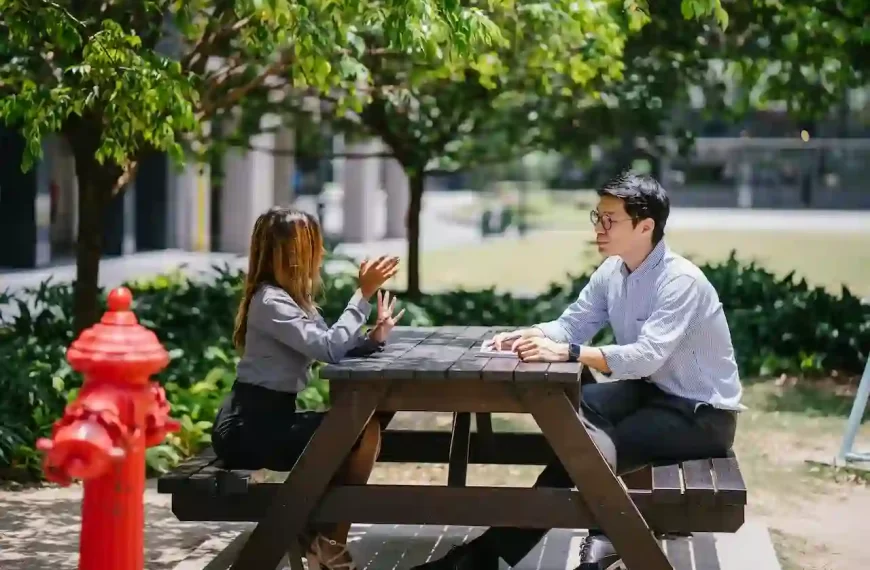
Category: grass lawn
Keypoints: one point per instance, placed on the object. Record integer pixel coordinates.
(530, 264)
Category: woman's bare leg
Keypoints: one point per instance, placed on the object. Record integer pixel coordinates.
(356, 470)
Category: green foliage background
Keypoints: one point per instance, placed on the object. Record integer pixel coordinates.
(779, 325)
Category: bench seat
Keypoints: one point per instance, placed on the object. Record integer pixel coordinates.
(694, 496)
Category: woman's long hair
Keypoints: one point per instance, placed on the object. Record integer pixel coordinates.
(286, 251)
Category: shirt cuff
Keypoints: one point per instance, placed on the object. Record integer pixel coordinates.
(553, 331)
(361, 303)
(619, 366)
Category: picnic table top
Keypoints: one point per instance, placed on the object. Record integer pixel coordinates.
(446, 353)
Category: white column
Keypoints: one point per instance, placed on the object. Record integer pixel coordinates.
(285, 166)
(248, 191)
(64, 228)
(396, 186)
(191, 208)
(128, 242)
(361, 177)
(42, 206)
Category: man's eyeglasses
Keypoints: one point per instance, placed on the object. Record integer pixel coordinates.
(604, 219)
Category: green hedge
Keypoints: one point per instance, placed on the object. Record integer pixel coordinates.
(778, 325)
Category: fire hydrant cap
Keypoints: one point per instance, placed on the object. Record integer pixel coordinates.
(118, 342)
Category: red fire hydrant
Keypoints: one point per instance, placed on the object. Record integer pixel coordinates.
(102, 436)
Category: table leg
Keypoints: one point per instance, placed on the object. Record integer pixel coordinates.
(457, 462)
(483, 426)
(310, 477)
(614, 510)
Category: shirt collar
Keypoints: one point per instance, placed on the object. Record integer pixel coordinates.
(652, 260)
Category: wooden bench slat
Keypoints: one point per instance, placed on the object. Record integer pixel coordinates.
(704, 547)
(178, 477)
(666, 484)
(679, 552)
(444, 505)
(699, 481)
(730, 486)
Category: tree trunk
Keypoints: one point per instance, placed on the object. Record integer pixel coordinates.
(95, 193)
(416, 184)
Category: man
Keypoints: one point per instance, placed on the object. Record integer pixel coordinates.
(677, 390)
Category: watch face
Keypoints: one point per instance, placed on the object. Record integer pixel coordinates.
(574, 351)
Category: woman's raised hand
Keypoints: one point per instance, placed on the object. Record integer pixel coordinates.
(374, 273)
(386, 319)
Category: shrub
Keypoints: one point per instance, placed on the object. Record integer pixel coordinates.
(778, 325)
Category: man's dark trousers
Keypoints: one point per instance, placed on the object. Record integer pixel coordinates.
(646, 425)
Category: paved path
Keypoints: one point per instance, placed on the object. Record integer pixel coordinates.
(39, 529)
(437, 232)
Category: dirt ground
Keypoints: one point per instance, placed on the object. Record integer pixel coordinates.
(817, 516)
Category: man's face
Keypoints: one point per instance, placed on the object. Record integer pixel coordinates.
(614, 232)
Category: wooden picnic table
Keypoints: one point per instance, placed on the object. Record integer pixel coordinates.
(437, 369)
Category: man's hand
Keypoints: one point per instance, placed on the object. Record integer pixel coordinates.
(509, 340)
(539, 349)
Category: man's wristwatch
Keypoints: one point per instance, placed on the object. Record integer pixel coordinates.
(573, 352)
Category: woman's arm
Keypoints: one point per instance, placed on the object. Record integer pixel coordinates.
(278, 315)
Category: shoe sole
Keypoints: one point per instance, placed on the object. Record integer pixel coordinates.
(618, 565)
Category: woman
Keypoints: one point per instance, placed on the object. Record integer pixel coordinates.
(279, 333)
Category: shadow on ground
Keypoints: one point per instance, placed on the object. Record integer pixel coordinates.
(40, 528)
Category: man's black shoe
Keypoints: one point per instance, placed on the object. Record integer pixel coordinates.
(462, 557)
(597, 553)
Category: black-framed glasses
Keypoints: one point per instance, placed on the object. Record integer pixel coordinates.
(605, 220)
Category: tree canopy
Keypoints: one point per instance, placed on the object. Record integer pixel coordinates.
(123, 78)
(488, 107)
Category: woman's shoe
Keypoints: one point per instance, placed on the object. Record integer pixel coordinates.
(327, 554)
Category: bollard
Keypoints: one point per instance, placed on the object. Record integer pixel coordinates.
(102, 436)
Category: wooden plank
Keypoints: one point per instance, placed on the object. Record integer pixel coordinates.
(615, 512)
(443, 505)
(464, 345)
(430, 446)
(639, 478)
(666, 484)
(434, 353)
(218, 480)
(499, 370)
(300, 493)
(469, 366)
(400, 341)
(450, 395)
(564, 372)
(679, 553)
(177, 479)
(699, 482)
(704, 548)
(531, 371)
(399, 547)
(730, 486)
(459, 444)
(488, 446)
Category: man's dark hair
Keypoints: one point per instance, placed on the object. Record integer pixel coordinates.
(644, 198)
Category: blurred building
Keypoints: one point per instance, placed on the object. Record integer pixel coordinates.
(197, 207)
